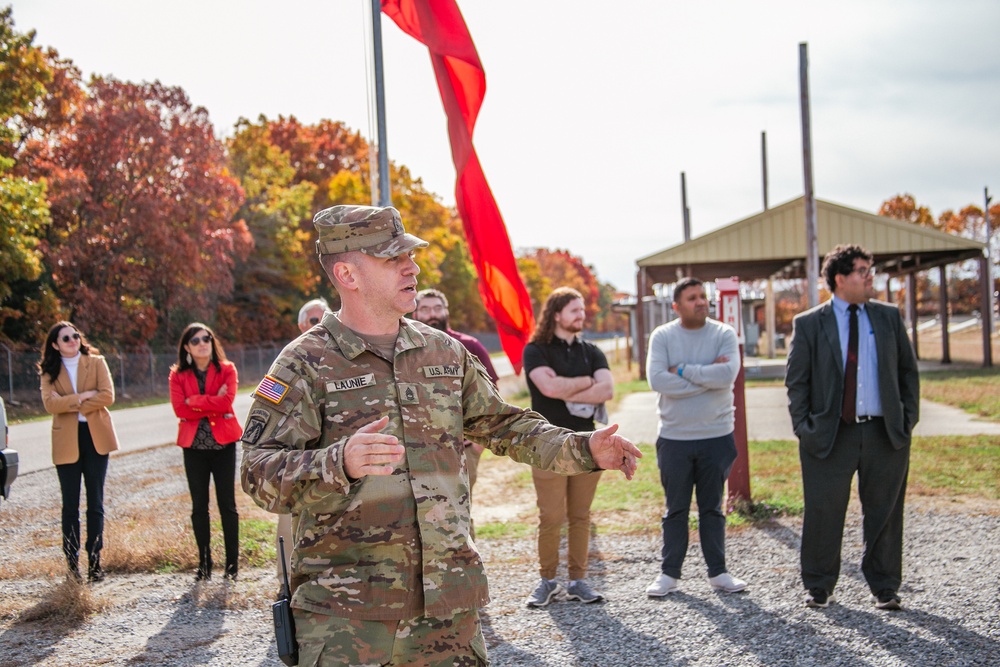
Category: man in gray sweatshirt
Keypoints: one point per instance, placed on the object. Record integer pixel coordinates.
(693, 362)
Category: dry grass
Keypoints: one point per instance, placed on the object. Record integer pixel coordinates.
(66, 603)
(965, 346)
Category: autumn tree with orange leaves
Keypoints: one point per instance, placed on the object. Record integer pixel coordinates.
(544, 270)
(290, 171)
(968, 222)
(143, 238)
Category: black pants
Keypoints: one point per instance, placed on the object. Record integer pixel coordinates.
(863, 449)
(220, 465)
(93, 467)
(702, 466)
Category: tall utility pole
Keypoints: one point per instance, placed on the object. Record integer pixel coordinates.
(763, 164)
(989, 256)
(685, 211)
(384, 193)
(812, 244)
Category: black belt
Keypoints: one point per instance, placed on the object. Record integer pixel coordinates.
(861, 419)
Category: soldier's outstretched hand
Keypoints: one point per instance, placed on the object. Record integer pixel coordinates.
(370, 452)
(613, 452)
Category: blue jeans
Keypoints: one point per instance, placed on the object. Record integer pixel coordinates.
(702, 466)
(93, 468)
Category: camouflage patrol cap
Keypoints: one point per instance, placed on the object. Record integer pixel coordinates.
(375, 231)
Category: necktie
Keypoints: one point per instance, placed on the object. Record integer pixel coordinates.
(849, 410)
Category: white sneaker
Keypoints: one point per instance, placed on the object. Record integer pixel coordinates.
(663, 584)
(728, 583)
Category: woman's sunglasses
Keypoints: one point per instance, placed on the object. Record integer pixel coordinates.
(198, 340)
(68, 337)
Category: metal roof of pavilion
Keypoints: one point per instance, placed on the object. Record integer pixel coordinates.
(773, 243)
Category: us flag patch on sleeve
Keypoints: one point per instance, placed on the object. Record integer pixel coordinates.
(272, 389)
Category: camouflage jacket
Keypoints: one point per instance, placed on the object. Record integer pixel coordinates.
(395, 546)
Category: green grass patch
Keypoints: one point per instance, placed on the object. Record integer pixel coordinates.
(775, 479)
(956, 465)
(617, 494)
(257, 542)
(974, 390)
(504, 530)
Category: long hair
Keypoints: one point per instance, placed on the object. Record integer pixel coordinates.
(51, 360)
(553, 306)
(218, 355)
(840, 261)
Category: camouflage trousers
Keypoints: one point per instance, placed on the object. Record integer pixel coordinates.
(325, 641)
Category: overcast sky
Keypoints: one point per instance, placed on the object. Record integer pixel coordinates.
(593, 109)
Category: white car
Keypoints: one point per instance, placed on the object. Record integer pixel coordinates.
(8, 457)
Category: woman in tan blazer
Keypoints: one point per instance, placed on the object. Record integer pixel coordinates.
(77, 390)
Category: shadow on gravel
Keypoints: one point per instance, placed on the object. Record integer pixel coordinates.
(23, 637)
(62, 609)
(745, 623)
(954, 644)
(598, 638)
(496, 644)
(193, 628)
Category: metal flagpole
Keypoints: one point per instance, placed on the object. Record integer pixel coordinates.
(384, 193)
(812, 249)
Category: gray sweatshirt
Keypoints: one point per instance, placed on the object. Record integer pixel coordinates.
(696, 402)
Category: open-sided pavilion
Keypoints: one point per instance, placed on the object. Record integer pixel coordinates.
(771, 245)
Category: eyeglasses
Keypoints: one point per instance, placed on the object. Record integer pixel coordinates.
(313, 320)
(198, 340)
(432, 309)
(68, 337)
(864, 272)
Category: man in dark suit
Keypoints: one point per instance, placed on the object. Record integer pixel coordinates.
(853, 395)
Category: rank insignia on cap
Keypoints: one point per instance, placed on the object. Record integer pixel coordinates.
(272, 389)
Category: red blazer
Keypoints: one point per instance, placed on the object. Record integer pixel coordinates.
(218, 409)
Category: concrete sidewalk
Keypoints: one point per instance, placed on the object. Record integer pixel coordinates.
(767, 417)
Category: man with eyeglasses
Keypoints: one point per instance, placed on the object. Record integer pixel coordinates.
(432, 310)
(853, 395)
(311, 313)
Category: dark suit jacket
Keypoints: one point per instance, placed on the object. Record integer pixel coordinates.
(815, 376)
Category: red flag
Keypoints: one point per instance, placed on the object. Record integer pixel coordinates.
(462, 82)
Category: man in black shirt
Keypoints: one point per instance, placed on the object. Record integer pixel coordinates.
(569, 380)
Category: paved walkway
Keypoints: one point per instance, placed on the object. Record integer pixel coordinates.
(767, 419)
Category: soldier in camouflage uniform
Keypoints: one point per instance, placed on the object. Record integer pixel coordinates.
(358, 428)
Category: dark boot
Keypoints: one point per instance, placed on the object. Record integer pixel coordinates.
(204, 568)
(73, 567)
(232, 569)
(94, 571)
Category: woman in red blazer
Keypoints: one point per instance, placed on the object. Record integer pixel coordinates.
(77, 390)
(202, 390)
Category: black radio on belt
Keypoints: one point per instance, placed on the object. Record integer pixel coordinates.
(281, 611)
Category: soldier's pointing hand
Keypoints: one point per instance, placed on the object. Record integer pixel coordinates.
(370, 452)
(613, 452)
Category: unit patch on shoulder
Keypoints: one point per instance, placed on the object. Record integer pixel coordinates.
(272, 389)
(256, 423)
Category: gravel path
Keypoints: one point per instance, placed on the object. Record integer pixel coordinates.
(950, 595)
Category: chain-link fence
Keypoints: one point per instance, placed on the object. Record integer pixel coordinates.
(136, 375)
